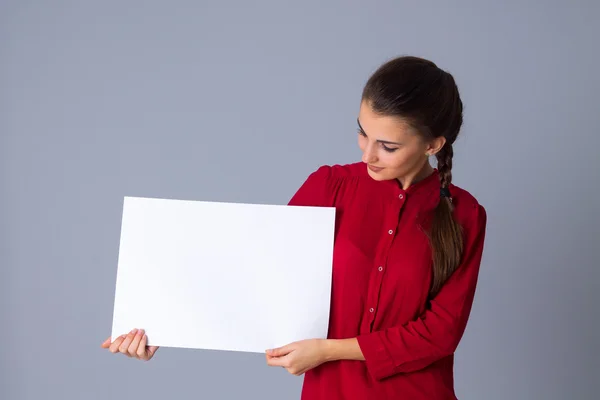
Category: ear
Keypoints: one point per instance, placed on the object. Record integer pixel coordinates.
(435, 145)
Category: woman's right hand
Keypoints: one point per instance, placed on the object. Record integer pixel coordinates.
(132, 345)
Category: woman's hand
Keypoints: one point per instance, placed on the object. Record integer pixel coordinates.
(132, 345)
(299, 357)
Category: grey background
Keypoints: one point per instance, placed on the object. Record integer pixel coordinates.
(240, 101)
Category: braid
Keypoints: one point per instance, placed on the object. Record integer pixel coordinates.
(444, 163)
(446, 233)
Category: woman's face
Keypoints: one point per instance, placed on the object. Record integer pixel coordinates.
(391, 148)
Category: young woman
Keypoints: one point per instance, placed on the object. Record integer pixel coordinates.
(408, 247)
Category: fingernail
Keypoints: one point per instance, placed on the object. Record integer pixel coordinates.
(141, 332)
(133, 331)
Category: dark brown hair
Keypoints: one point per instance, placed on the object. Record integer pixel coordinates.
(426, 97)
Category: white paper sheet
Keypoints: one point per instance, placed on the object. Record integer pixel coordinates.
(223, 276)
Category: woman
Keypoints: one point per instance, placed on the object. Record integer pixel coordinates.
(407, 251)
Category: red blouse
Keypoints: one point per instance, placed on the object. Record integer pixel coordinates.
(381, 277)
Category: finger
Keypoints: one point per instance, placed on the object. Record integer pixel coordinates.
(125, 345)
(142, 352)
(135, 343)
(114, 347)
(279, 352)
(278, 361)
(274, 358)
(106, 343)
(146, 352)
(151, 351)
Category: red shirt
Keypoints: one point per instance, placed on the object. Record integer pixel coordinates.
(382, 269)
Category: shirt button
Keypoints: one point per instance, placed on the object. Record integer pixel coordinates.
(400, 196)
(371, 309)
(390, 231)
(380, 269)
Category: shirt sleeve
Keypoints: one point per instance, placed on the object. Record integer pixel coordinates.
(437, 332)
(318, 189)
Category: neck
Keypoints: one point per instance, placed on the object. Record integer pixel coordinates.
(416, 176)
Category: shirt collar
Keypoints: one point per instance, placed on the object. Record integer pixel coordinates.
(426, 186)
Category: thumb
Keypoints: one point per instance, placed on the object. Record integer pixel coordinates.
(106, 343)
(279, 352)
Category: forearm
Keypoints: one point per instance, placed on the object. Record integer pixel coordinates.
(343, 349)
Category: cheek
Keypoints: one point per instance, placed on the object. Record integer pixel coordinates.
(394, 160)
(399, 161)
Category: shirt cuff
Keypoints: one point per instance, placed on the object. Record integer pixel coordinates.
(378, 359)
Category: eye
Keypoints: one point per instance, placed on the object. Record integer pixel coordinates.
(388, 149)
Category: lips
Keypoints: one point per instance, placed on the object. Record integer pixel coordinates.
(374, 168)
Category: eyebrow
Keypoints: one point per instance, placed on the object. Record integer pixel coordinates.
(380, 141)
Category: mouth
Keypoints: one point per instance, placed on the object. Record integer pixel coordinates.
(374, 168)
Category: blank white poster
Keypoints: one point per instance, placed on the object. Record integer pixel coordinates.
(223, 276)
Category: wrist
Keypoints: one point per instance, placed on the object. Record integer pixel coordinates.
(329, 350)
(342, 349)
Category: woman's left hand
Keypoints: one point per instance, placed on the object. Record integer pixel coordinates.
(298, 357)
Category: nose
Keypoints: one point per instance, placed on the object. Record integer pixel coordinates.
(369, 155)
